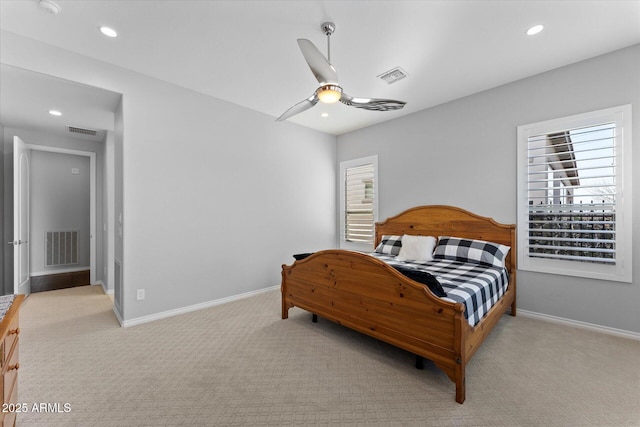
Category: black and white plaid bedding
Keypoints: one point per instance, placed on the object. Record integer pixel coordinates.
(477, 286)
(389, 245)
(467, 250)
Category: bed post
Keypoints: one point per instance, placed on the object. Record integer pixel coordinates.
(513, 304)
(419, 362)
(514, 264)
(459, 347)
(285, 305)
(460, 383)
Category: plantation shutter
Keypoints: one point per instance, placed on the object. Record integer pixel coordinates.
(571, 193)
(359, 206)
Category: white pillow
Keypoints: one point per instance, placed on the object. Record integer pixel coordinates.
(417, 248)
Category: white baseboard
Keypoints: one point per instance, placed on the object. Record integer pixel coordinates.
(188, 309)
(524, 313)
(118, 316)
(104, 287)
(577, 324)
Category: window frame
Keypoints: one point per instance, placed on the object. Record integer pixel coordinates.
(621, 271)
(344, 165)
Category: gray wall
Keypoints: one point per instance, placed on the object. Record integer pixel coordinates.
(3, 245)
(215, 197)
(59, 201)
(463, 153)
(116, 230)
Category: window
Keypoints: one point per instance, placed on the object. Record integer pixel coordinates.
(574, 190)
(358, 202)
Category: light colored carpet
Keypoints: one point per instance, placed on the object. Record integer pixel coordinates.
(239, 364)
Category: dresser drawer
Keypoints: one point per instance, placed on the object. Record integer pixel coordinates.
(10, 339)
(9, 365)
(9, 418)
(10, 377)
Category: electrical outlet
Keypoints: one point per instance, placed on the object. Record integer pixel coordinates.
(140, 294)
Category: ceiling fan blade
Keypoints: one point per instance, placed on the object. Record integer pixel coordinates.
(320, 67)
(299, 108)
(374, 104)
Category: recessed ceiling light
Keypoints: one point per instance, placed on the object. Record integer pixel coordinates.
(55, 113)
(109, 32)
(535, 30)
(324, 115)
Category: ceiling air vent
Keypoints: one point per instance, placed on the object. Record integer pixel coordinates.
(82, 131)
(393, 75)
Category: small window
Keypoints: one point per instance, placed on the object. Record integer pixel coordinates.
(358, 204)
(572, 175)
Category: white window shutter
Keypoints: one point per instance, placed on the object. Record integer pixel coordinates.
(359, 193)
(574, 195)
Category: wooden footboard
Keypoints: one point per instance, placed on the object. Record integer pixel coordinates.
(365, 294)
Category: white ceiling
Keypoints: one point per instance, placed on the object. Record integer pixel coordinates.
(26, 98)
(245, 52)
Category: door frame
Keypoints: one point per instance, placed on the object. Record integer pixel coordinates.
(92, 199)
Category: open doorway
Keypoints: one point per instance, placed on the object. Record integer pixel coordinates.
(54, 215)
(86, 129)
(61, 224)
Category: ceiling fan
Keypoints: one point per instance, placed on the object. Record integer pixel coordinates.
(329, 90)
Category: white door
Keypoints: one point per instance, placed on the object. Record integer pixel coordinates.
(21, 278)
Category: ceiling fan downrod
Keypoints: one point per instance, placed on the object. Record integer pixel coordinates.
(328, 28)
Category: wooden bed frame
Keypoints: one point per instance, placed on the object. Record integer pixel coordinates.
(365, 294)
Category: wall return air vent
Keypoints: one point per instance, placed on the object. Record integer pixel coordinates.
(393, 75)
(82, 131)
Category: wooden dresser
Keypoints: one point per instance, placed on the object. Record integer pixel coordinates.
(9, 338)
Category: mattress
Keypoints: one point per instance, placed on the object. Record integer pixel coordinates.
(477, 286)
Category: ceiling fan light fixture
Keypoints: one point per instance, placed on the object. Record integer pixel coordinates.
(329, 90)
(329, 94)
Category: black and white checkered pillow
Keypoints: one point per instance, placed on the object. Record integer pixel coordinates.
(466, 250)
(389, 245)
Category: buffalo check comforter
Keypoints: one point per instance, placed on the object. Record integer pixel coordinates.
(478, 286)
